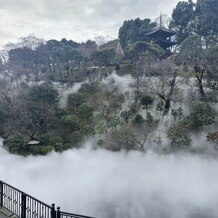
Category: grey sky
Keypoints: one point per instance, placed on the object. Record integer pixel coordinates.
(73, 19)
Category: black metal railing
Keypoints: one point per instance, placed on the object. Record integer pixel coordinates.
(61, 214)
(26, 206)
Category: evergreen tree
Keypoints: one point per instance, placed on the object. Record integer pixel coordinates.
(182, 18)
(134, 30)
(207, 21)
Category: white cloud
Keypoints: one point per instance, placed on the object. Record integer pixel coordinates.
(73, 19)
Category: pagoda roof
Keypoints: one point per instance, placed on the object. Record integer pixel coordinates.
(161, 31)
(164, 43)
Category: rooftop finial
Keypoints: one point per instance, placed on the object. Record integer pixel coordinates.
(160, 19)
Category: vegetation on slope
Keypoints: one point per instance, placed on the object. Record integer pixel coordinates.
(33, 122)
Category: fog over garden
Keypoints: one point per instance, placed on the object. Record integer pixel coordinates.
(121, 126)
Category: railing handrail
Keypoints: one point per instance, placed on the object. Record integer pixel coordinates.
(21, 203)
(75, 215)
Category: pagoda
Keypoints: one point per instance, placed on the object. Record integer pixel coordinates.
(162, 36)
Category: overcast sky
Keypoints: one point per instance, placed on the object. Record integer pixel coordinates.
(73, 19)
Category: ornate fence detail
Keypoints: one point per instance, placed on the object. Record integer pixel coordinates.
(26, 206)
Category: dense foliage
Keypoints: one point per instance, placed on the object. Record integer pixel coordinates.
(135, 30)
(200, 18)
(126, 109)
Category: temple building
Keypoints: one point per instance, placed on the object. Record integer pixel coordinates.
(162, 36)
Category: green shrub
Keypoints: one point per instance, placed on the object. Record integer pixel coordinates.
(70, 123)
(146, 101)
(160, 106)
(56, 140)
(44, 138)
(138, 120)
(179, 135)
(59, 147)
(46, 149)
(202, 115)
(85, 111)
(177, 113)
(88, 130)
(75, 138)
(74, 100)
(149, 119)
(126, 115)
(101, 128)
(16, 144)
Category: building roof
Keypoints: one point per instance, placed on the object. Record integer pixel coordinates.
(161, 31)
(113, 44)
(161, 35)
(33, 142)
(164, 43)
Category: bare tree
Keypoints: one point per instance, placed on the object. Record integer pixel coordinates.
(100, 40)
(162, 80)
(192, 56)
(127, 138)
(108, 103)
(30, 41)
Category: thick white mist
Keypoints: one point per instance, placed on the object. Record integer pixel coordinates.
(104, 184)
(64, 90)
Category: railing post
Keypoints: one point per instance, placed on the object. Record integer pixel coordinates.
(53, 211)
(1, 194)
(23, 206)
(58, 212)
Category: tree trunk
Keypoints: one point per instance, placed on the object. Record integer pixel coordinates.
(169, 96)
(199, 76)
(167, 105)
(201, 89)
(59, 69)
(68, 68)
